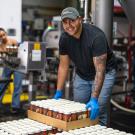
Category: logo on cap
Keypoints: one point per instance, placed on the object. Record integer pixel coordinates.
(67, 12)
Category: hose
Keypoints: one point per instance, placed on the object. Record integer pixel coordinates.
(121, 107)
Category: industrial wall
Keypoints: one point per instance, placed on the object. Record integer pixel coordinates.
(11, 16)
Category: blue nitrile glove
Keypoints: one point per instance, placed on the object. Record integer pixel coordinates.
(93, 106)
(58, 94)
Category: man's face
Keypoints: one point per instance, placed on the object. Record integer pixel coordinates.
(72, 27)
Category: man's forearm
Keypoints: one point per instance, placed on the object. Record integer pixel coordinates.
(62, 75)
(62, 71)
(98, 83)
(100, 66)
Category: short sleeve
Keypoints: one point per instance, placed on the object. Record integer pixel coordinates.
(99, 46)
(63, 46)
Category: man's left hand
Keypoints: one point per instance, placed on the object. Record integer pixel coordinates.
(93, 106)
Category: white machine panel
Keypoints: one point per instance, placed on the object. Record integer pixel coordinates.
(32, 56)
(10, 17)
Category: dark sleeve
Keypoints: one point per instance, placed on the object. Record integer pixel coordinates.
(99, 46)
(62, 45)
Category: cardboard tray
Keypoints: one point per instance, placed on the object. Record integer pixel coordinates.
(60, 124)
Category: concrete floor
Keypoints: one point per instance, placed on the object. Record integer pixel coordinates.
(7, 115)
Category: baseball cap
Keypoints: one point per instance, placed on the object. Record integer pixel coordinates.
(70, 13)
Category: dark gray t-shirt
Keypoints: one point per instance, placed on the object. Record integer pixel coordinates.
(81, 51)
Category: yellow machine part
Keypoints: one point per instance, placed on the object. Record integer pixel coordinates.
(8, 98)
(9, 92)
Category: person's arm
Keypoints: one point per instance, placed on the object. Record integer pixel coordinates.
(63, 71)
(100, 66)
(99, 59)
(62, 75)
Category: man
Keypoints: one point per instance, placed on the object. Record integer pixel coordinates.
(87, 47)
(4, 42)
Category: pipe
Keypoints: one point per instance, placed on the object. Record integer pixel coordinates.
(85, 4)
(130, 54)
(86, 12)
(121, 107)
(104, 17)
(128, 6)
(81, 3)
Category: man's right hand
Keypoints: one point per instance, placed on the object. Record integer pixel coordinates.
(58, 94)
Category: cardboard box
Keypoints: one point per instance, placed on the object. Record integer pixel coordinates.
(60, 123)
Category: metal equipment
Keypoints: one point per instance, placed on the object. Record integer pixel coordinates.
(32, 56)
(85, 4)
(129, 9)
(29, 58)
(51, 36)
(103, 17)
(52, 33)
